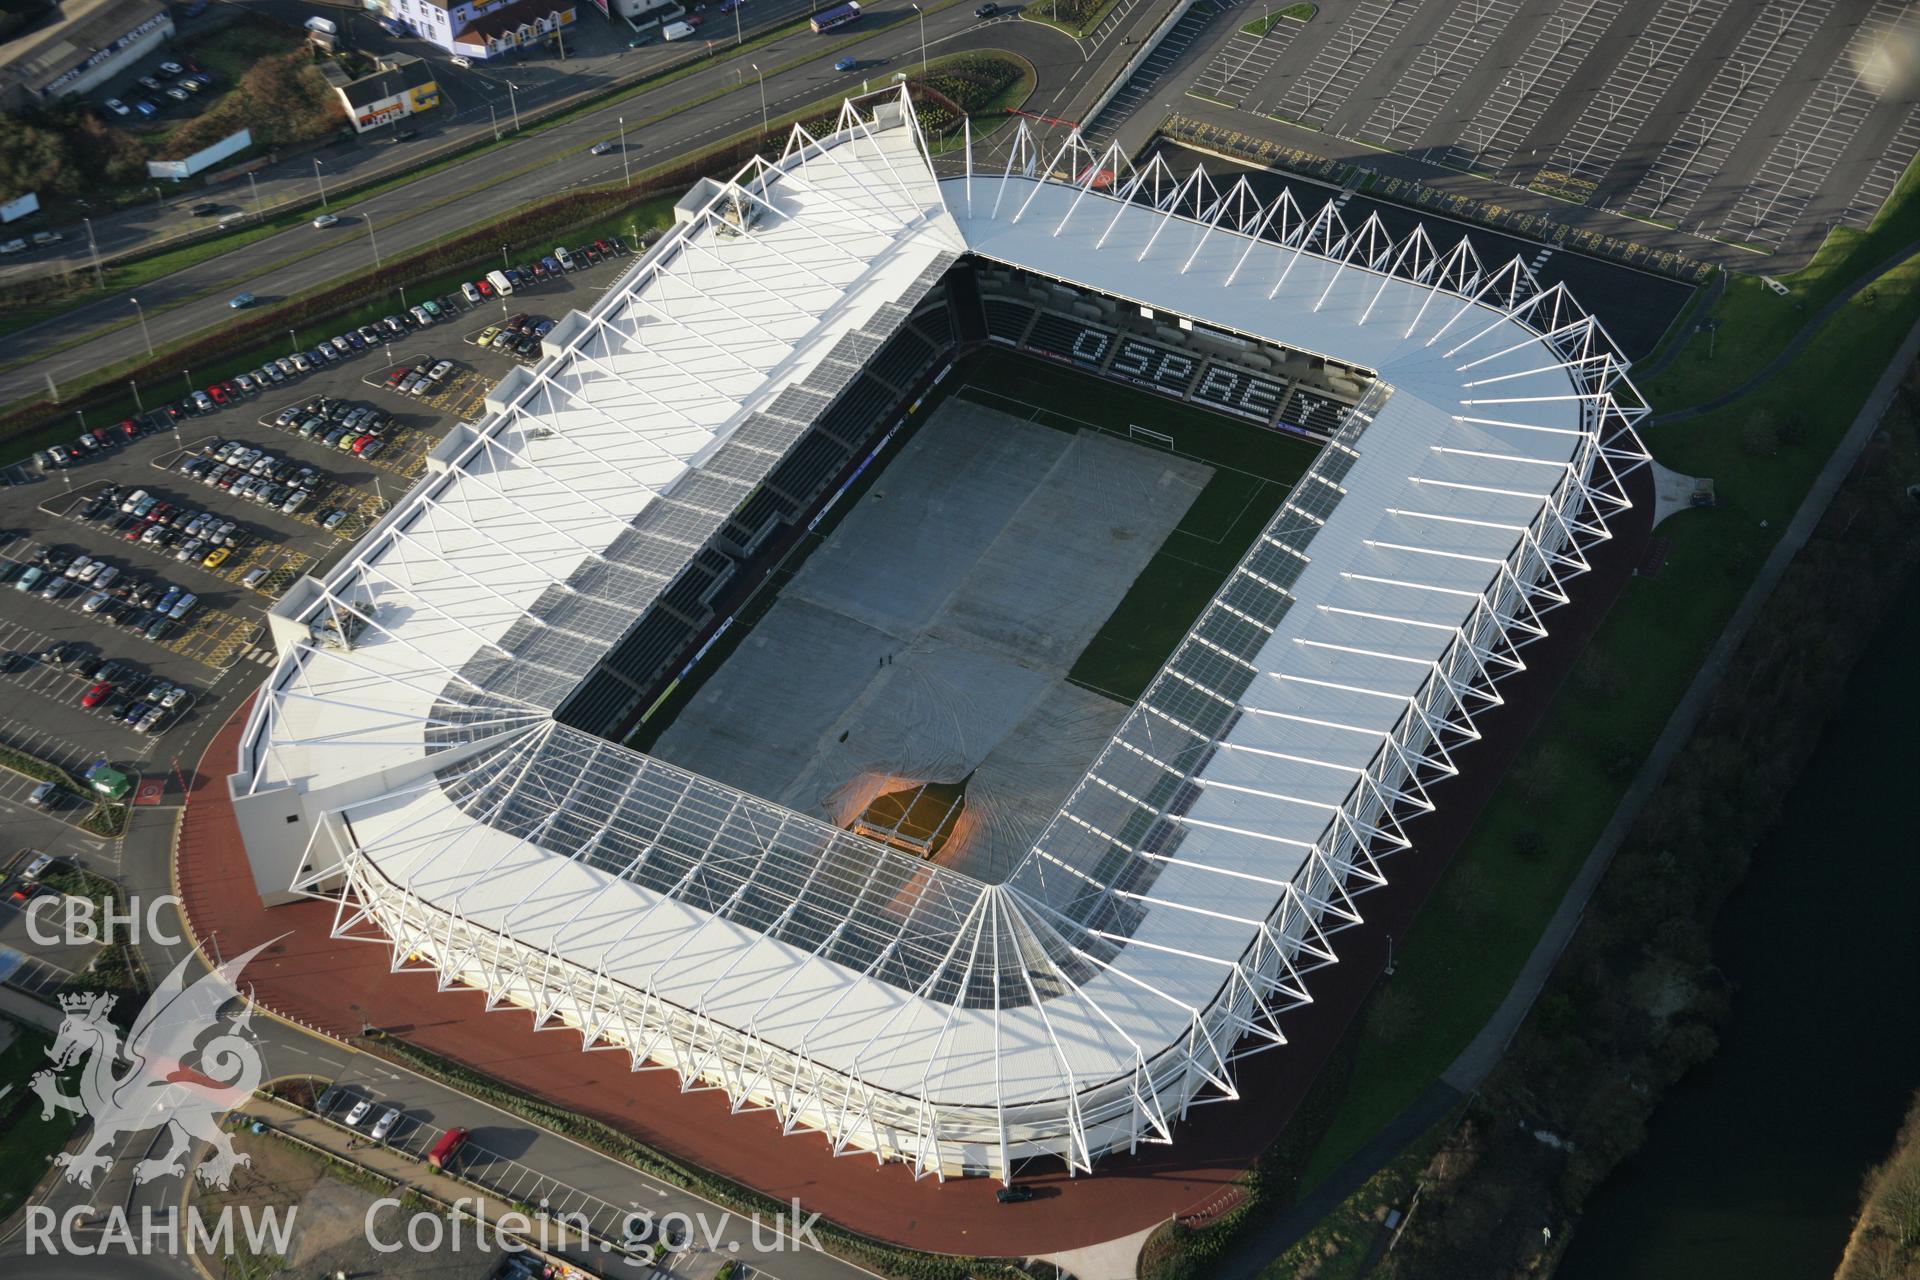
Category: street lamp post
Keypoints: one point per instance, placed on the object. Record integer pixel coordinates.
(368, 219)
(135, 388)
(259, 210)
(494, 117)
(921, 14)
(293, 343)
(738, 39)
(99, 277)
(626, 166)
(506, 263)
(321, 181)
(513, 102)
(188, 375)
(761, 76)
(144, 331)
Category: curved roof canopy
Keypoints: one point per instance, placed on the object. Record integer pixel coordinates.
(1172, 905)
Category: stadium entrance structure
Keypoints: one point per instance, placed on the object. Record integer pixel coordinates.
(416, 755)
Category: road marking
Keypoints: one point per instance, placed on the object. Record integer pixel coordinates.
(1440, 67)
(1797, 168)
(1317, 93)
(1702, 144)
(1507, 117)
(1620, 108)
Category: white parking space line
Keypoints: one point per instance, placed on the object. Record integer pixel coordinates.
(1804, 156)
(1237, 70)
(1617, 112)
(1700, 147)
(1108, 25)
(1509, 115)
(1318, 92)
(1146, 81)
(1885, 174)
(22, 736)
(1407, 112)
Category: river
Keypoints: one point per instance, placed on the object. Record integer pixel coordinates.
(1753, 1163)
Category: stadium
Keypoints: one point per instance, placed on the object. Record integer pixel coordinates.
(942, 649)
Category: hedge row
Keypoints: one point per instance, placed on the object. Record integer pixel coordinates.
(103, 820)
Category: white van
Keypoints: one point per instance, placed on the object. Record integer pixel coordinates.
(501, 285)
(676, 31)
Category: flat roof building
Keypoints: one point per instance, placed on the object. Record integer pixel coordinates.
(87, 43)
(402, 86)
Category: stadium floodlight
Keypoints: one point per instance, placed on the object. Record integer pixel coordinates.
(435, 775)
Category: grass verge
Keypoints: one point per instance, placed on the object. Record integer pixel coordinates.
(1292, 13)
(1755, 322)
(27, 1143)
(1080, 21)
(1467, 946)
(103, 819)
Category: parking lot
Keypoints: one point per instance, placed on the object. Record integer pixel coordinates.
(1758, 125)
(138, 509)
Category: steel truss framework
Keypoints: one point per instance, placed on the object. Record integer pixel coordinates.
(1175, 908)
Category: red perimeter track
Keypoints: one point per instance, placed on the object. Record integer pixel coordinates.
(329, 984)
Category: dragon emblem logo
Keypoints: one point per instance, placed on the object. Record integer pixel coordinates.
(170, 1079)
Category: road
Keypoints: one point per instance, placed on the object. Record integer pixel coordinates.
(662, 123)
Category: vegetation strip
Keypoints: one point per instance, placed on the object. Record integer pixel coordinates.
(1463, 951)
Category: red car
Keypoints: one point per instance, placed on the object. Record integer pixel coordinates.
(486, 290)
(218, 392)
(393, 379)
(129, 428)
(96, 695)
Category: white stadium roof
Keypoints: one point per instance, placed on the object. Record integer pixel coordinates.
(1169, 913)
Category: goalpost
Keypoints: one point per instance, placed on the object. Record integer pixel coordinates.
(1137, 432)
